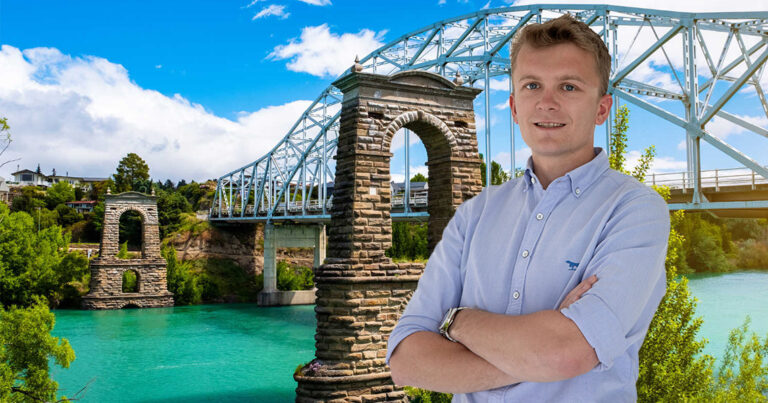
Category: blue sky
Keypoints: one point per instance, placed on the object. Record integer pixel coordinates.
(199, 88)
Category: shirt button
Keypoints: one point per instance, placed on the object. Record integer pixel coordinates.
(516, 295)
(533, 180)
(578, 191)
(539, 216)
(526, 253)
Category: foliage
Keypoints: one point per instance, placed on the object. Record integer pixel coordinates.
(29, 200)
(170, 207)
(26, 347)
(291, 278)
(130, 170)
(59, 193)
(130, 229)
(707, 244)
(409, 241)
(419, 178)
(498, 176)
(743, 374)
(34, 264)
(130, 283)
(67, 215)
(181, 282)
(417, 395)
(122, 253)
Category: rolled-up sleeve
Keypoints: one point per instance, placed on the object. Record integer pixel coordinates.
(629, 263)
(439, 287)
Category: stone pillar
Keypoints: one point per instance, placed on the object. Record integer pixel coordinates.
(361, 293)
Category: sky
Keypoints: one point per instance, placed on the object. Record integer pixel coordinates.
(199, 88)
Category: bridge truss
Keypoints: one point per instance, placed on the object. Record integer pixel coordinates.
(685, 68)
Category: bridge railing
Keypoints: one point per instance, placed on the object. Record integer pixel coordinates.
(715, 178)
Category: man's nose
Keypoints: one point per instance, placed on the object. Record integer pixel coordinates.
(548, 101)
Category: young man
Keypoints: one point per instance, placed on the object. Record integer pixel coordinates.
(542, 289)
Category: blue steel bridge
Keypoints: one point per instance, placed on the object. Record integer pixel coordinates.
(715, 59)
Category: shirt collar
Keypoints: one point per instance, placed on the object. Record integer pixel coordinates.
(580, 178)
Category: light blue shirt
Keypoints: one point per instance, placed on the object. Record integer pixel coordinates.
(517, 249)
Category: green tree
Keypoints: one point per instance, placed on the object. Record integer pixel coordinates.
(671, 366)
(170, 207)
(130, 170)
(498, 176)
(26, 348)
(181, 282)
(59, 193)
(34, 264)
(743, 376)
(419, 178)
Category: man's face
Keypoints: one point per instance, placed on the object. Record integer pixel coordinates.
(557, 101)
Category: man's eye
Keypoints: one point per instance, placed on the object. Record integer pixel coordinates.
(531, 86)
(569, 87)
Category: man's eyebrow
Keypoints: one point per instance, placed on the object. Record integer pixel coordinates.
(567, 77)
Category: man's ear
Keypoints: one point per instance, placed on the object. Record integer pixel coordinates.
(603, 109)
(512, 107)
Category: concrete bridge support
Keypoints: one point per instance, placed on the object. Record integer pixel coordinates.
(361, 292)
(289, 237)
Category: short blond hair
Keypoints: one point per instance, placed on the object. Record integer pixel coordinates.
(565, 29)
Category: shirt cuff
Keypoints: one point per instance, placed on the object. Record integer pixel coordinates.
(407, 326)
(600, 326)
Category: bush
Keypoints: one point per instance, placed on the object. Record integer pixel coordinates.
(129, 281)
(26, 349)
(294, 278)
(417, 395)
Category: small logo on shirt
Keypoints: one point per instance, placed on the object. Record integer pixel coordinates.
(572, 265)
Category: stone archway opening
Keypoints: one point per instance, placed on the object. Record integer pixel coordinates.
(409, 190)
(131, 234)
(131, 281)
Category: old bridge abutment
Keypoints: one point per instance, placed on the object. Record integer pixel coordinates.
(361, 292)
(106, 286)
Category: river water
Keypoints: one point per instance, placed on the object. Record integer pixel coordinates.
(243, 353)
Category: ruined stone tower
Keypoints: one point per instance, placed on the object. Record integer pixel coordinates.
(107, 270)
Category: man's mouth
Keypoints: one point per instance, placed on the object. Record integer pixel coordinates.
(549, 124)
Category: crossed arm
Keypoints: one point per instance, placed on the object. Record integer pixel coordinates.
(496, 350)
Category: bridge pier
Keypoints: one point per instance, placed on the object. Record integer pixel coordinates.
(289, 236)
(360, 291)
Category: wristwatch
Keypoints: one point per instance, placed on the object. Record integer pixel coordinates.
(448, 321)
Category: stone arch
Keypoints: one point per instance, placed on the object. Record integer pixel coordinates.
(428, 127)
(359, 287)
(106, 288)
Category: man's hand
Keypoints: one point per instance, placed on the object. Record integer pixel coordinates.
(578, 291)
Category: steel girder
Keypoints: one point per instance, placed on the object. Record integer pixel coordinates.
(293, 180)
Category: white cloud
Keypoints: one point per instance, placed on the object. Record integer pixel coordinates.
(681, 145)
(499, 84)
(399, 140)
(441, 2)
(502, 106)
(521, 158)
(272, 10)
(660, 164)
(400, 176)
(317, 2)
(158, 66)
(82, 115)
(252, 3)
(722, 128)
(324, 54)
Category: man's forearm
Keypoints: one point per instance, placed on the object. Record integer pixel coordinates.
(542, 347)
(428, 360)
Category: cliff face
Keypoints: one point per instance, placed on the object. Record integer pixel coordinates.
(244, 245)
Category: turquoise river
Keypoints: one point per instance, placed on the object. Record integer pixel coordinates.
(243, 353)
